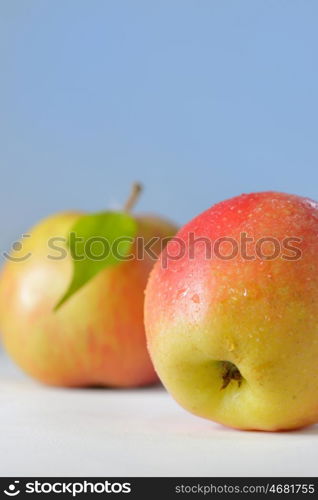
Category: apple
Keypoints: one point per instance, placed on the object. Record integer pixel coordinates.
(96, 337)
(233, 334)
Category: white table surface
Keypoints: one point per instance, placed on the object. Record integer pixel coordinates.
(94, 432)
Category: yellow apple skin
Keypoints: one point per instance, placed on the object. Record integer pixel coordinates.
(97, 337)
(260, 315)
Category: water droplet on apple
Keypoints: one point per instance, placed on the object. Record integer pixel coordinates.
(182, 292)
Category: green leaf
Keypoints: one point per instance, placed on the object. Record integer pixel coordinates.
(98, 241)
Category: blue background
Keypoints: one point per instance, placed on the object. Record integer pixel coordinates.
(199, 100)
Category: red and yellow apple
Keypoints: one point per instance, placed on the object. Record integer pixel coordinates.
(234, 334)
(97, 336)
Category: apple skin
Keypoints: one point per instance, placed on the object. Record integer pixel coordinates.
(97, 337)
(261, 315)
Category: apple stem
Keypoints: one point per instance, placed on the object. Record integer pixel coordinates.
(133, 197)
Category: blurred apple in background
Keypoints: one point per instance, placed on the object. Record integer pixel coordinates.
(72, 319)
(234, 336)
